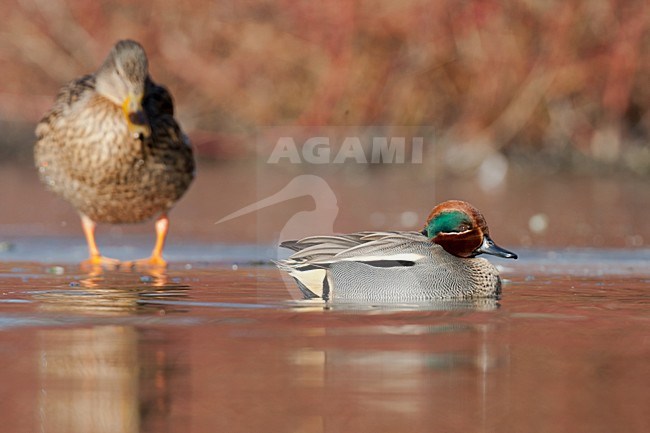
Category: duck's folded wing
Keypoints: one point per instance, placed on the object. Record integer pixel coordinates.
(362, 247)
(317, 252)
(400, 248)
(344, 241)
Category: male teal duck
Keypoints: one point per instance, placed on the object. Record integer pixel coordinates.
(438, 263)
(111, 147)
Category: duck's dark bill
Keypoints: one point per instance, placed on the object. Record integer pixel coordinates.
(489, 247)
(137, 117)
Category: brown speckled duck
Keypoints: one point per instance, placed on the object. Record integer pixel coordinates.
(110, 146)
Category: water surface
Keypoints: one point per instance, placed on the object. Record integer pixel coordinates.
(217, 345)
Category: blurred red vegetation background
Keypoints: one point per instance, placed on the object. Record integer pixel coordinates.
(554, 83)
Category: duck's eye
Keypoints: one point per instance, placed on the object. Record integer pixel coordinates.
(464, 227)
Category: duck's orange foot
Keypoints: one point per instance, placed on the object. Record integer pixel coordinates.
(99, 261)
(149, 262)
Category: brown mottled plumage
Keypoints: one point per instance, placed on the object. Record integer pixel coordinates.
(110, 146)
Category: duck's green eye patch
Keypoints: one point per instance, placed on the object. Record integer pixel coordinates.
(448, 222)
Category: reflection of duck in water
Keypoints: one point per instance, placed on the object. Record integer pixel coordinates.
(303, 223)
(110, 292)
(438, 263)
(109, 375)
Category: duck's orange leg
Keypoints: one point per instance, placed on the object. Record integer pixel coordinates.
(162, 227)
(96, 259)
(156, 259)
